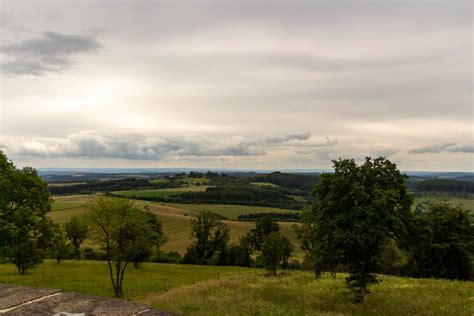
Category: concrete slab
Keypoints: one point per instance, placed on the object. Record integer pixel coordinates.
(15, 295)
(19, 300)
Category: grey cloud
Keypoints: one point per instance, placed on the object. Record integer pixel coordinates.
(51, 52)
(142, 147)
(287, 138)
(447, 147)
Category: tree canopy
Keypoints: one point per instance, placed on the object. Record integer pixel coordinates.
(24, 202)
(358, 208)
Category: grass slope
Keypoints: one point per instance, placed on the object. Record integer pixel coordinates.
(299, 293)
(91, 277)
(242, 291)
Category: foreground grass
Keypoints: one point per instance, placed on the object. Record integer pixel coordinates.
(91, 277)
(300, 294)
(243, 291)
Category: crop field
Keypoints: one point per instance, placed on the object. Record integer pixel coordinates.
(465, 203)
(160, 192)
(177, 221)
(246, 291)
(229, 211)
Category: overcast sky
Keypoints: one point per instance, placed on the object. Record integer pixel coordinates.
(236, 84)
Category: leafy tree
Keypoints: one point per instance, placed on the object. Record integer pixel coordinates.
(119, 226)
(444, 244)
(147, 244)
(76, 231)
(358, 208)
(60, 248)
(211, 241)
(264, 226)
(276, 250)
(24, 202)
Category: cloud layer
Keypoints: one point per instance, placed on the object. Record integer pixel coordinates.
(50, 52)
(240, 83)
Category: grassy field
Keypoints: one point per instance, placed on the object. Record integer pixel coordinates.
(243, 291)
(176, 220)
(91, 277)
(465, 203)
(298, 293)
(160, 192)
(229, 211)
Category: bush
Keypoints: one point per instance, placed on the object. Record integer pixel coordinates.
(294, 265)
(167, 257)
(90, 254)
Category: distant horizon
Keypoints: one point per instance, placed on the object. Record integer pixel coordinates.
(144, 170)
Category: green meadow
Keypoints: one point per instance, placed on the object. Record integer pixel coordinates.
(196, 290)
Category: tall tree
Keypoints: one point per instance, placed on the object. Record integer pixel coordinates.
(212, 237)
(24, 202)
(144, 248)
(264, 226)
(358, 207)
(76, 231)
(119, 226)
(59, 246)
(276, 250)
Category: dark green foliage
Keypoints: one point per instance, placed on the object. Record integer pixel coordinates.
(240, 194)
(76, 231)
(24, 202)
(264, 226)
(445, 185)
(211, 238)
(147, 244)
(276, 250)
(280, 217)
(90, 254)
(444, 244)
(240, 254)
(358, 209)
(111, 185)
(120, 228)
(167, 257)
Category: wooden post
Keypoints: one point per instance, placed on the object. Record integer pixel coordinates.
(166, 286)
(218, 278)
(194, 281)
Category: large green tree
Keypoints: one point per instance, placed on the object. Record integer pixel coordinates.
(211, 240)
(358, 209)
(276, 250)
(264, 226)
(118, 225)
(24, 202)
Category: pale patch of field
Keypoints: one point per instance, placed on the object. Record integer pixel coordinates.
(263, 184)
